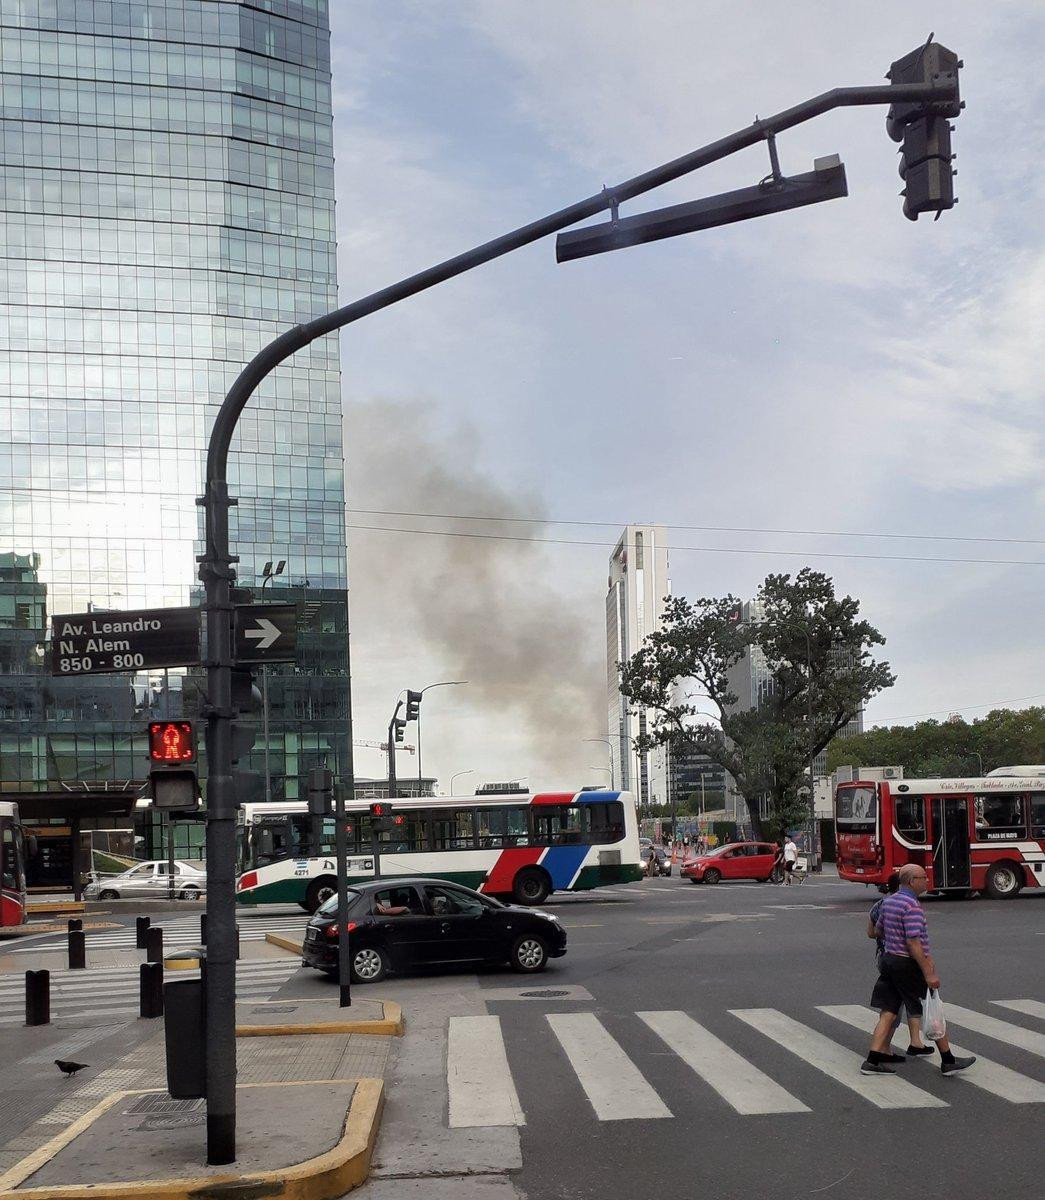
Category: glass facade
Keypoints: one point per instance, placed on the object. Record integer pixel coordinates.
(167, 208)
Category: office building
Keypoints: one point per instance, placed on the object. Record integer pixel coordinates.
(168, 208)
(637, 586)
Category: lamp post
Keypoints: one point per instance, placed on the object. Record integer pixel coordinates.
(979, 761)
(428, 688)
(470, 771)
(267, 576)
(607, 741)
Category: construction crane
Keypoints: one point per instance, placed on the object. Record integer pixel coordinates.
(381, 746)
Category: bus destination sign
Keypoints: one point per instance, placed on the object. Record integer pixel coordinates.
(95, 643)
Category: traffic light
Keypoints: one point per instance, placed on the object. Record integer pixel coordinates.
(413, 705)
(399, 726)
(248, 786)
(383, 818)
(173, 776)
(924, 130)
(320, 792)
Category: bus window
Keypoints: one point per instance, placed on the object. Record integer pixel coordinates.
(999, 817)
(856, 809)
(7, 857)
(410, 835)
(517, 826)
(492, 823)
(562, 824)
(453, 830)
(607, 821)
(910, 817)
(1037, 816)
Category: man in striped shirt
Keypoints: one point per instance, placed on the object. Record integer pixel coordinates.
(906, 970)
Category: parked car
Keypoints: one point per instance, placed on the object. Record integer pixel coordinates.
(150, 879)
(737, 860)
(404, 923)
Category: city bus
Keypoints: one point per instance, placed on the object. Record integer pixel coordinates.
(519, 847)
(12, 867)
(970, 835)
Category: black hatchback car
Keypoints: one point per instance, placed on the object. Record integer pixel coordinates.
(394, 925)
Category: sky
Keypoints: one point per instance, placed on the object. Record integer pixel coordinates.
(837, 369)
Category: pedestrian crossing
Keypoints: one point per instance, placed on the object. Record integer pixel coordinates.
(620, 1072)
(100, 993)
(178, 934)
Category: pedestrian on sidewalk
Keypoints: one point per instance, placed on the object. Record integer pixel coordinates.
(881, 997)
(907, 970)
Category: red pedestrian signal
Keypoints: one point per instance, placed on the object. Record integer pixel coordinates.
(172, 742)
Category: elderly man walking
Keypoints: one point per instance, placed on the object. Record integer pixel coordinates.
(906, 971)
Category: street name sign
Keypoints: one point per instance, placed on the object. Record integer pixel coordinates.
(95, 643)
(265, 633)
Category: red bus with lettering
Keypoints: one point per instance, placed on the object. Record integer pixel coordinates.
(12, 867)
(971, 835)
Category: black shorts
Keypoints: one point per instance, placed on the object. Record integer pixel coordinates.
(789, 866)
(900, 984)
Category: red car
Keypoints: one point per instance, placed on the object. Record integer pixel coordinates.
(737, 860)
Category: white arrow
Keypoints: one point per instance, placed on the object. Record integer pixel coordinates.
(266, 633)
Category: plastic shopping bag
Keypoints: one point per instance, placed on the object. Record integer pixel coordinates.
(934, 1023)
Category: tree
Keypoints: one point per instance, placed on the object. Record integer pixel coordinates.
(1004, 737)
(820, 674)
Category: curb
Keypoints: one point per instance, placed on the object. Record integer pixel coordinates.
(391, 1024)
(284, 943)
(325, 1177)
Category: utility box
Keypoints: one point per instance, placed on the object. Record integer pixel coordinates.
(184, 1031)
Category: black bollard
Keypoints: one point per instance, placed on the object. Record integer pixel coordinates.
(141, 928)
(75, 924)
(38, 997)
(154, 944)
(77, 949)
(150, 990)
(203, 928)
(237, 943)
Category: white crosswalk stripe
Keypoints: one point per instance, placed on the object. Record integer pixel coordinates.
(617, 1089)
(114, 991)
(991, 1076)
(177, 935)
(481, 1090)
(741, 1085)
(838, 1062)
(1032, 1008)
(1001, 1031)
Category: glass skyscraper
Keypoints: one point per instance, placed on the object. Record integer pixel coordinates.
(167, 208)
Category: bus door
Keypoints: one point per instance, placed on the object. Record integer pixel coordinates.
(950, 841)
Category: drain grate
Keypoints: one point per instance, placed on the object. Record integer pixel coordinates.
(161, 1105)
(178, 1121)
(546, 994)
(276, 1008)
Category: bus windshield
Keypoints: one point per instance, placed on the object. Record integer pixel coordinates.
(856, 808)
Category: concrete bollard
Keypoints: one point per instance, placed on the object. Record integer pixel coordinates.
(38, 997)
(141, 928)
(77, 949)
(150, 990)
(154, 944)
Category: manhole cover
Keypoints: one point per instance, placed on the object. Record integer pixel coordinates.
(276, 1008)
(162, 1105)
(156, 1124)
(547, 994)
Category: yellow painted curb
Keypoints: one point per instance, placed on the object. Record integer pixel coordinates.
(324, 1177)
(181, 964)
(56, 906)
(391, 1024)
(284, 943)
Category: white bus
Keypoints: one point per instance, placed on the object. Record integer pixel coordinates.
(522, 847)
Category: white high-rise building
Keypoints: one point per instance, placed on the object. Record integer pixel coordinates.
(637, 586)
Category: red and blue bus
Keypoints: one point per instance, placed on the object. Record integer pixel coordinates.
(12, 867)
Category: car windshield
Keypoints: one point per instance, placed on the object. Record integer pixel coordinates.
(716, 851)
(329, 907)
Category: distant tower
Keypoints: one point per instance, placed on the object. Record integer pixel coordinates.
(637, 586)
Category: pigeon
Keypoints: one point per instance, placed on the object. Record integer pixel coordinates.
(69, 1068)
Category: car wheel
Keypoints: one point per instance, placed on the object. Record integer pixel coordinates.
(319, 892)
(712, 875)
(694, 879)
(369, 965)
(189, 893)
(108, 894)
(529, 954)
(1003, 881)
(531, 886)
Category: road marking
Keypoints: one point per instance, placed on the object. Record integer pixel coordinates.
(480, 1084)
(835, 1061)
(737, 1081)
(991, 1027)
(1033, 1008)
(616, 1088)
(991, 1076)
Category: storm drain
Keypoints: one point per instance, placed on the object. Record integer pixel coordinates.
(546, 994)
(276, 1008)
(161, 1105)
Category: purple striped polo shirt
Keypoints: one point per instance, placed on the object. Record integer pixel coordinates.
(901, 917)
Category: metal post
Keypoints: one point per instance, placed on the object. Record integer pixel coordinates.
(216, 563)
(38, 997)
(344, 958)
(154, 945)
(77, 864)
(150, 990)
(203, 928)
(77, 950)
(141, 928)
(265, 729)
(170, 857)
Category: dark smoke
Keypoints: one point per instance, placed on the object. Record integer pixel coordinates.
(485, 611)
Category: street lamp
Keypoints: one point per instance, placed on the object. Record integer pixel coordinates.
(267, 576)
(979, 761)
(445, 683)
(470, 771)
(610, 744)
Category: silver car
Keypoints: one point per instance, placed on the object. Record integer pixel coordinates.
(150, 879)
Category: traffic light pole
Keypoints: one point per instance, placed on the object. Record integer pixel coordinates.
(216, 564)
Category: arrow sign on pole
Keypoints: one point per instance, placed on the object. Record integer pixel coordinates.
(265, 633)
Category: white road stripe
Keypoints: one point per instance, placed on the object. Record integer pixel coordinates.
(990, 1076)
(836, 1061)
(478, 1079)
(1032, 1008)
(616, 1088)
(737, 1081)
(991, 1027)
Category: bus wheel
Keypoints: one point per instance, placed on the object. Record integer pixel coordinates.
(1003, 881)
(319, 892)
(531, 886)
